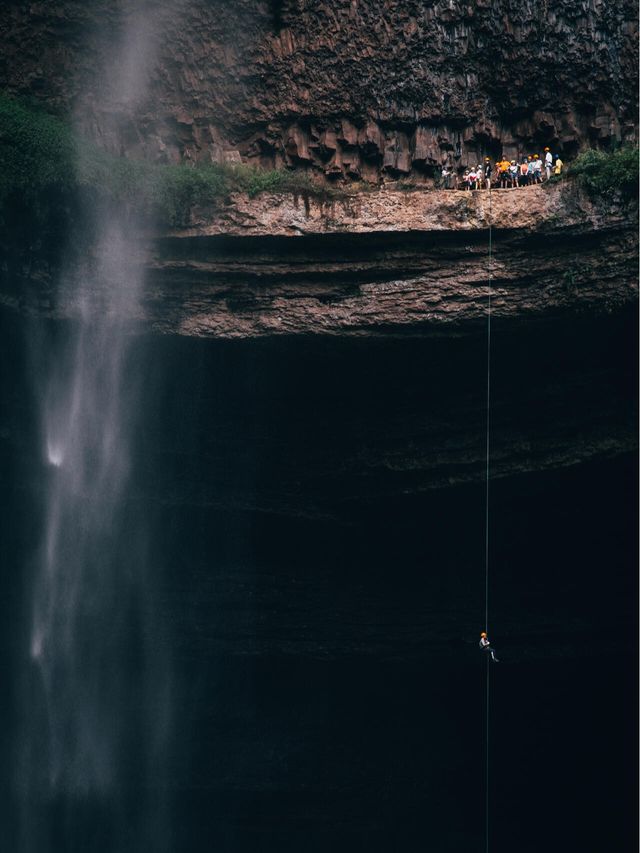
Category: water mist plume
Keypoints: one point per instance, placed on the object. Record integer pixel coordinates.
(98, 688)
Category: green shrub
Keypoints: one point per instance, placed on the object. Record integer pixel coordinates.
(607, 173)
(172, 191)
(36, 150)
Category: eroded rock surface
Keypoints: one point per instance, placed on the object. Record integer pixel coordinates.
(348, 89)
(376, 264)
(391, 262)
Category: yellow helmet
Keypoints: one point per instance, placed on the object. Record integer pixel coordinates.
(483, 634)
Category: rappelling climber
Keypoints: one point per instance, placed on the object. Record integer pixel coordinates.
(485, 645)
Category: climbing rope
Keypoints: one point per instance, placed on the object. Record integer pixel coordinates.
(486, 517)
(486, 524)
(486, 804)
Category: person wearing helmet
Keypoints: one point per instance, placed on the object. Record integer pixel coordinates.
(531, 171)
(513, 174)
(485, 645)
(470, 179)
(537, 165)
(548, 162)
(503, 173)
(557, 168)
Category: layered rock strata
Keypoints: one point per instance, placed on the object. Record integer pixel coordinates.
(387, 262)
(391, 263)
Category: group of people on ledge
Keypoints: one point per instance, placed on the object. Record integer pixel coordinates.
(505, 174)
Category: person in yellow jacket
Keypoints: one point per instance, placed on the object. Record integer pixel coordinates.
(557, 169)
(503, 172)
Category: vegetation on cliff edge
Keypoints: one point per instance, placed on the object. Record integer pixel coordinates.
(42, 158)
(606, 173)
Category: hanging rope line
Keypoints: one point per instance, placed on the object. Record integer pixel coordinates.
(486, 828)
(486, 525)
(486, 516)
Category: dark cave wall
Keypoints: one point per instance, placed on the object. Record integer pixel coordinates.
(322, 627)
(331, 680)
(276, 441)
(313, 426)
(364, 703)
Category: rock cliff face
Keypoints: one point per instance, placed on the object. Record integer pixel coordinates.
(347, 89)
(392, 262)
(403, 279)
(377, 264)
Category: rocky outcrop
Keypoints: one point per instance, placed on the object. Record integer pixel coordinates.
(391, 262)
(350, 89)
(387, 262)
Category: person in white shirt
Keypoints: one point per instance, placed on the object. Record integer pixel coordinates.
(548, 162)
(537, 169)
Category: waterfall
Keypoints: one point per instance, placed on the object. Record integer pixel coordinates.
(96, 704)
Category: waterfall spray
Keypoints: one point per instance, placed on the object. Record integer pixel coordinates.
(97, 709)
